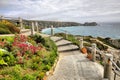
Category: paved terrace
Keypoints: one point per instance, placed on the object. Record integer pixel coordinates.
(73, 65)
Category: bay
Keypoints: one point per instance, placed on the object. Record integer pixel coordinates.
(111, 30)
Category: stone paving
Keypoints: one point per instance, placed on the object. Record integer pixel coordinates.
(73, 65)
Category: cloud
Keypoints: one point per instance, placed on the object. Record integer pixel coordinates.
(68, 10)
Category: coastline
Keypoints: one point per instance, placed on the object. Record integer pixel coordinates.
(103, 30)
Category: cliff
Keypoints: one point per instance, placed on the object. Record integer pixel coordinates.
(90, 24)
(43, 24)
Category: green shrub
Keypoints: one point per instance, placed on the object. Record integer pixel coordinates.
(6, 58)
(8, 46)
(2, 79)
(45, 61)
(50, 45)
(4, 31)
(7, 28)
(2, 54)
(8, 39)
(13, 29)
(28, 77)
(41, 75)
(36, 58)
(2, 63)
(38, 39)
(10, 59)
(14, 73)
(34, 66)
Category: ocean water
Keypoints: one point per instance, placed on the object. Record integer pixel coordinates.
(111, 30)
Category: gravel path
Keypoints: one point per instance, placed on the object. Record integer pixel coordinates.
(73, 65)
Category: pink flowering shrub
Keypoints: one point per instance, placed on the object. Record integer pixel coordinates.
(23, 46)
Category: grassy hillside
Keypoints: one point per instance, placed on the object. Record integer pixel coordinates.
(8, 28)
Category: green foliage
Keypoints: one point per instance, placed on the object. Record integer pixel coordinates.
(13, 72)
(41, 75)
(2, 54)
(2, 62)
(16, 72)
(10, 59)
(38, 38)
(35, 66)
(69, 37)
(7, 28)
(50, 45)
(13, 29)
(53, 48)
(4, 31)
(6, 58)
(72, 39)
(37, 63)
(8, 46)
(28, 77)
(8, 38)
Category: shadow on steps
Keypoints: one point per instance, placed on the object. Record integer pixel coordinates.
(64, 44)
(59, 40)
(69, 50)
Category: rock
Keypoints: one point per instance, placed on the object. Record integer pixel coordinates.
(47, 73)
(90, 24)
(115, 42)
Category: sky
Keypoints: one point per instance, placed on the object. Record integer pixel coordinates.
(62, 10)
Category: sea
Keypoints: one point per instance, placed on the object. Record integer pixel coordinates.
(111, 30)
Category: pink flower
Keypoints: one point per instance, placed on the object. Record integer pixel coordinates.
(20, 42)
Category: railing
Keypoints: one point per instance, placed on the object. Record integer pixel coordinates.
(116, 69)
(109, 64)
(109, 67)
